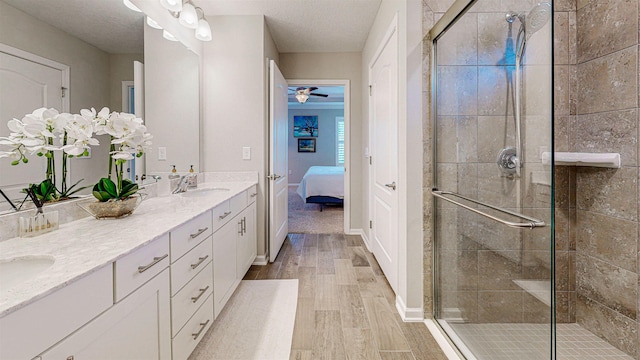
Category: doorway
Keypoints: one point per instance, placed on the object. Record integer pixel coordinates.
(318, 156)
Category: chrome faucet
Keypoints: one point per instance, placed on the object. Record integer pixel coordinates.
(185, 182)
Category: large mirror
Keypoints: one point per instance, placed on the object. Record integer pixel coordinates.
(93, 74)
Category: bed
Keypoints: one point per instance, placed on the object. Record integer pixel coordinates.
(323, 185)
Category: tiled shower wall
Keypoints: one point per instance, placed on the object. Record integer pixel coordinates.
(597, 111)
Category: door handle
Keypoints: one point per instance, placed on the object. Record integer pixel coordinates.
(274, 177)
(391, 186)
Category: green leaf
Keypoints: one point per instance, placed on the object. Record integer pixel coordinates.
(108, 186)
(98, 195)
(25, 160)
(16, 162)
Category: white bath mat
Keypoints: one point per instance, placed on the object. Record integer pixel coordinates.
(257, 323)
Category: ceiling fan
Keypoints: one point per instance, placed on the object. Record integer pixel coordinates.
(302, 93)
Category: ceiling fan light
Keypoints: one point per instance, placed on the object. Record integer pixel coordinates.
(153, 23)
(172, 5)
(130, 5)
(302, 98)
(203, 31)
(167, 35)
(189, 16)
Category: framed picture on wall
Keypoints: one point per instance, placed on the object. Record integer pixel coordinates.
(305, 125)
(307, 145)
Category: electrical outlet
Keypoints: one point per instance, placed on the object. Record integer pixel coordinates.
(162, 153)
(246, 153)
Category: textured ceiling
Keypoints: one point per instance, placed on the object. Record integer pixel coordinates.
(106, 24)
(306, 25)
(296, 25)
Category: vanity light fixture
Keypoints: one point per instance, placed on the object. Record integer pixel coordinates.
(172, 5)
(188, 16)
(302, 98)
(167, 35)
(153, 23)
(130, 5)
(203, 31)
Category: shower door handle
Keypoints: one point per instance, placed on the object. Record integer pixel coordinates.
(391, 186)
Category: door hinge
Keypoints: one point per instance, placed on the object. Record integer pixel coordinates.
(370, 224)
(370, 160)
(64, 91)
(370, 90)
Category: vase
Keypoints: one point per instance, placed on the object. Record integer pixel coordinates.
(112, 209)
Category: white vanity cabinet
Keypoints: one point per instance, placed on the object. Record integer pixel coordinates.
(191, 284)
(234, 248)
(137, 328)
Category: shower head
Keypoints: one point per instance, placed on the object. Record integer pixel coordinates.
(537, 18)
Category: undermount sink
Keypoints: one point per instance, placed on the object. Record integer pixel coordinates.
(201, 192)
(17, 270)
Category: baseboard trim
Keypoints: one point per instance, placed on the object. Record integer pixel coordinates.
(260, 260)
(363, 234)
(442, 341)
(408, 314)
(296, 185)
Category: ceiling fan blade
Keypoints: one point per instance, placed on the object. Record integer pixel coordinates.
(313, 88)
(322, 95)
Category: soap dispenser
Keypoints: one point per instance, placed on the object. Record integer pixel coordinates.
(174, 178)
(192, 179)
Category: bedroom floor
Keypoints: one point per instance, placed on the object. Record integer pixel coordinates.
(308, 219)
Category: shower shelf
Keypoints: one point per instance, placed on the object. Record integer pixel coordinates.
(540, 289)
(605, 160)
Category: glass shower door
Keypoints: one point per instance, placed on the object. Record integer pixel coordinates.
(494, 180)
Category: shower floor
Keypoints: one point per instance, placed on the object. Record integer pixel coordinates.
(531, 342)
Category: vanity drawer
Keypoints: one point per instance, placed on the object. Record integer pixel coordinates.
(252, 193)
(135, 269)
(189, 265)
(191, 334)
(221, 214)
(191, 297)
(185, 237)
(238, 203)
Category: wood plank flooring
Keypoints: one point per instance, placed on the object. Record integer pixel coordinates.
(346, 308)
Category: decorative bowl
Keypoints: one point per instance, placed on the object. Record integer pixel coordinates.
(112, 209)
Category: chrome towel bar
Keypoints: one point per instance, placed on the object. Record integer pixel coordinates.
(531, 222)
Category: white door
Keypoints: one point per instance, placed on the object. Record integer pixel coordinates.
(24, 86)
(138, 108)
(384, 162)
(278, 161)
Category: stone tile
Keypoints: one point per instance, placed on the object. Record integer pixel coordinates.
(494, 134)
(468, 180)
(500, 306)
(496, 39)
(612, 79)
(459, 44)
(534, 310)
(563, 299)
(561, 90)
(564, 5)
(620, 331)
(494, 189)
(573, 37)
(573, 89)
(607, 284)
(582, 3)
(497, 270)
(439, 5)
(561, 126)
(606, 26)
(612, 192)
(563, 184)
(609, 239)
(561, 37)
(615, 131)
(457, 90)
(492, 87)
(563, 270)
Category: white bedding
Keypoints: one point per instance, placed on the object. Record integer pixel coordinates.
(322, 181)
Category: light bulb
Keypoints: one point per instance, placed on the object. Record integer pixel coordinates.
(153, 23)
(203, 31)
(172, 5)
(189, 16)
(130, 5)
(167, 35)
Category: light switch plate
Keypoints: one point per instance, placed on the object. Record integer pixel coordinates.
(246, 153)
(162, 153)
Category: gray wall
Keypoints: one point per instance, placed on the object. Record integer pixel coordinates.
(326, 145)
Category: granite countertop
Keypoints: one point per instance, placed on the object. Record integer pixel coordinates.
(84, 246)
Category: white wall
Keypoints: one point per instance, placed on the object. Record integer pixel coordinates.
(410, 235)
(234, 86)
(325, 154)
(340, 66)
